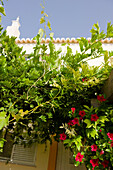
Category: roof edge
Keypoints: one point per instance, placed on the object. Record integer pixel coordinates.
(59, 41)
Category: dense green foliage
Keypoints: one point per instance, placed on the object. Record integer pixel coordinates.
(38, 90)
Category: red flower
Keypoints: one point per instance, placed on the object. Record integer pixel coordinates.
(94, 117)
(110, 135)
(111, 144)
(105, 163)
(101, 98)
(82, 113)
(73, 109)
(84, 79)
(94, 162)
(100, 130)
(70, 123)
(79, 157)
(63, 136)
(101, 152)
(93, 147)
(75, 121)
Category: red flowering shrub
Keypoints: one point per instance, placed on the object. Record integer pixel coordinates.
(84, 79)
(73, 109)
(82, 113)
(75, 121)
(94, 147)
(94, 162)
(100, 130)
(79, 157)
(111, 144)
(105, 163)
(101, 152)
(94, 117)
(63, 136)
(101, 98)
(92, 136)
(70, 123)
(110, 136)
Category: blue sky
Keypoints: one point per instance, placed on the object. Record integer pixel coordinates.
(69, 18)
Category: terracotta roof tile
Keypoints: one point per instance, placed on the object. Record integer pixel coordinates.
(58, 41)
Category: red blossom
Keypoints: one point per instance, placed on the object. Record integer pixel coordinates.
(101, 98)
(79, 157)
(75, 121)
(110, 135)
(111, 144)
(70, 123)
(63, 136)
(100, 130)
(94, 162)
(105, 163)
(73, 109)
(84, 79)
(82, 113)
(94, 117)
(94, 147)
(101, 152)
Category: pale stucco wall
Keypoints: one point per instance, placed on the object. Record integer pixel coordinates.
(28, 47)
(41, 161)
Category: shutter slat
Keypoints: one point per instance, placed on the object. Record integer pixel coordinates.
(24, 155)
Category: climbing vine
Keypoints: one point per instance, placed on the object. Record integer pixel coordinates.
(37, 92)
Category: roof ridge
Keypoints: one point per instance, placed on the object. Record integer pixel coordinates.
(58, 40)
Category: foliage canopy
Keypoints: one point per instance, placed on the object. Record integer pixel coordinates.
(37, 91)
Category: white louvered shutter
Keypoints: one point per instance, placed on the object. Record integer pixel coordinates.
(24, 155)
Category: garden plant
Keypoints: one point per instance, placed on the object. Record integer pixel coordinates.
(49, 95)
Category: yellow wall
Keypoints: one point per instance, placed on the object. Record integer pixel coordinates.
(41, 161)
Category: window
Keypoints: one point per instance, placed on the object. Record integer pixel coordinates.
(17, 153)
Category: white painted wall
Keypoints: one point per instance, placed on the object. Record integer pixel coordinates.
(28, 47)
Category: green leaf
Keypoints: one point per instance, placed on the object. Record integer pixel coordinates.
(45, 14)
(88, 122)
(42, 6)
(49, 25)
(0, 18)
(41, 32)
(78, 142)
(107, 150)
(42, 20)
(96, 26)
(3, 119)
(51, 35)
(2, 144)
(43, 118)
(93, 133)
(49, 115)
(81, 46)
(109, 30)
(2, 10)
(86, 107)
(103, 119)
(106, 57)
(66, 141)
